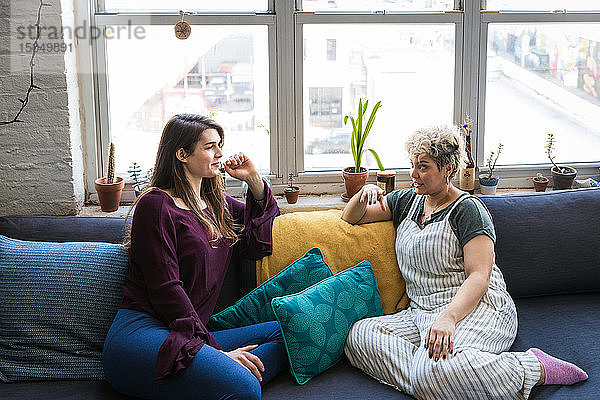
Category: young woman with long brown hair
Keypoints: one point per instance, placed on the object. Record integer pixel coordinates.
(182, 236)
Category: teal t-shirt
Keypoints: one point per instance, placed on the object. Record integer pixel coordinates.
(469, 219)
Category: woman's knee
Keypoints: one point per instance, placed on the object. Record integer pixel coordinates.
(275, 332)
(247, 388)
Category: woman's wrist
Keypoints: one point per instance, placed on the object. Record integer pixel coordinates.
(257, 186)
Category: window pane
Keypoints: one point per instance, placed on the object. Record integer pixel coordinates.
(186, 5)
(219, 70)
(410, 68)
(543, 78)
(377, 5)
(543, 5)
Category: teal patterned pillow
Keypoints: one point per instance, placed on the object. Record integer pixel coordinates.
(316, 321)
(255, 307)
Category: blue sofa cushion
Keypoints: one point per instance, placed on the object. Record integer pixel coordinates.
(57, 301)
(64, 229)
(557, 232)
(564, 326)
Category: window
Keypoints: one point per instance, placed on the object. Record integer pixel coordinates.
(410, 70)
(546, 78)
(219, 70)
(221, 5)
(280, 76)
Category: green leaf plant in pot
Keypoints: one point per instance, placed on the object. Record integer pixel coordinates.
(109, 187)
(355, 177)
(291, 192)
(562, 177)
(488, 182)
(540, 182)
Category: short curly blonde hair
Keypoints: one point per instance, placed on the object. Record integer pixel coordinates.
(442, 143)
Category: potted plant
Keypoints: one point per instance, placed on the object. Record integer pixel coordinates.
(109, 187)
(291, 192)
(562, 177)
(139, 182)
(488, 182)
(355, 177)
(540, 182)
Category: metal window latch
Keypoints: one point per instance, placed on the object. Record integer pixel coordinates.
(563, 11)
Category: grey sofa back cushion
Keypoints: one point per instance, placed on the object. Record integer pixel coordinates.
(548, 243)
(57, 302)
(64, 229)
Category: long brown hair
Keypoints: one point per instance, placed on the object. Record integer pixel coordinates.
(184, 131)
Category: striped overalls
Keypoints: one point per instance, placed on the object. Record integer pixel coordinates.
(391, 348)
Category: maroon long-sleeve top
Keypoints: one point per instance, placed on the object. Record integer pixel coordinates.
(176, 272)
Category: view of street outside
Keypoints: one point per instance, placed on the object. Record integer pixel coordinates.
(540, 78)
(186, 5)
(221, 71)
(377, 5)
(543, 5)
(409, 68)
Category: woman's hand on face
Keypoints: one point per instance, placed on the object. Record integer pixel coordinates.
(372, 194)
(440, 338)
(240, 167)
(246, 359)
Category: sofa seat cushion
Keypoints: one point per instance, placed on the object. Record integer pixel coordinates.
(564, 326)
(342, 381)
(343, 246)
(57, 301)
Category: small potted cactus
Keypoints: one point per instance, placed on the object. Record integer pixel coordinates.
(109, 187)
(291, 192)
(540, 182)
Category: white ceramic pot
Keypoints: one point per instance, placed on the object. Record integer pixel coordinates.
(488, 185)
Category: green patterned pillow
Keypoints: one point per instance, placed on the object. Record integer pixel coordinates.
(316, 321)
(255, 307)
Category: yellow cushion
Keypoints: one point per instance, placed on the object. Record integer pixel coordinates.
(343, 246)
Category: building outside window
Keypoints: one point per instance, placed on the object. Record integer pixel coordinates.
(331, 49)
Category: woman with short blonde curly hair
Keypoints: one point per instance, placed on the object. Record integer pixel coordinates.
(442, 143)
(452, 342)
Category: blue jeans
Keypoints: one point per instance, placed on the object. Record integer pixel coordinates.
(132, 345)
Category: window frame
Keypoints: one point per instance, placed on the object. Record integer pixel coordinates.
(519, 175)
(285, 21)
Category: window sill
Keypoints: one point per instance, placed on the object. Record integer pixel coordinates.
(305, 203)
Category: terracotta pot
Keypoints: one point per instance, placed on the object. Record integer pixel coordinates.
(562, 180)
(540, 186)
(109, 194)
(353, 181)
(291, 194)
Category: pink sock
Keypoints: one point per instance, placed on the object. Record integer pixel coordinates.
(559, 372)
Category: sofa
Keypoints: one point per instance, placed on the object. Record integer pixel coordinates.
(547, 249)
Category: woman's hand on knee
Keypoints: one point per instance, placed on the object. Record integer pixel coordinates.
(246, 359)
(440, 338)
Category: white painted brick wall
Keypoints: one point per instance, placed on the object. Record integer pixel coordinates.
(39, 174)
